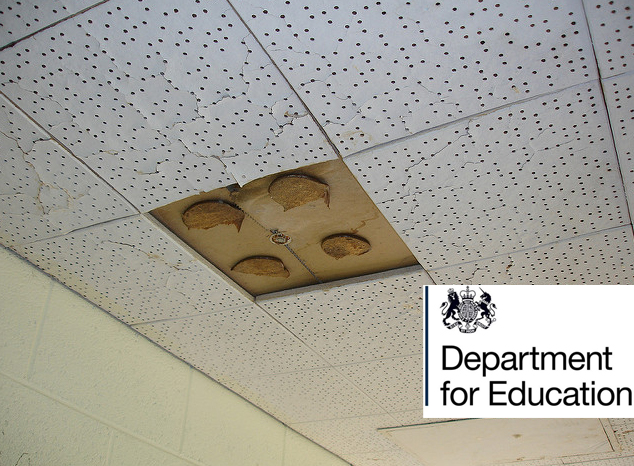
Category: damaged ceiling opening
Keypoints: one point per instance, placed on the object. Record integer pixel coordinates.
(289, 230)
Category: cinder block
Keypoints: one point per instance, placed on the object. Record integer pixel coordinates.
(222, 428)
(128, 451)
(37, 430)
(23, 292)
(90, 359)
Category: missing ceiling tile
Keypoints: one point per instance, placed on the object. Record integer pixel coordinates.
(312, 225)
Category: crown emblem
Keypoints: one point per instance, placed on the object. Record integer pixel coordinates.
(462, 311)
(468, 294)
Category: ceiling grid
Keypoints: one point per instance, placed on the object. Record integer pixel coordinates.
(495, 137)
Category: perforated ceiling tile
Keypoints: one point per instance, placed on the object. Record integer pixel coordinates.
(44, 190)
(611, 25)
(134, 271)
(233, 344)
(349, 435)
(532, 173)
(624, 432)
(410, 418)
(375, 72)
(397, 456)
(619, 97)
(158, 99)
(312, 395)
(21, 18)
(604, 258)
(370, 320)
(395, 384)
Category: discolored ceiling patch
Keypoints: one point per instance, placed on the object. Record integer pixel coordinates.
(289, 230)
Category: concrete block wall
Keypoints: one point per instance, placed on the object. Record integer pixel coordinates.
(77, 387)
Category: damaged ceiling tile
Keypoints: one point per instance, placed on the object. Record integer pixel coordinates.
(300, 228)
(384, 72)
(201, 110)
(44, 190)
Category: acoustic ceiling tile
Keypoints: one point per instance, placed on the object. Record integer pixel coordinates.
(311, 395)
(603, 258)
(134, 271)
(349, 435)
(24, 17)
(372, 74)
(163, 112)
(599, 459)
(44, 190)
(611, 24)
(624, 432)
(395, 384)
(415, 417)
(370, 320)
(211, 342)
(532, 173)
(396, 456)
(619, 93)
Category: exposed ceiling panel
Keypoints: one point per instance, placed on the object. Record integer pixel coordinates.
(287, 220)
(482, 131)
(376, 73)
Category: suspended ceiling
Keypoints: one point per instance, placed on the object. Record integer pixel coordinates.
(494, 137)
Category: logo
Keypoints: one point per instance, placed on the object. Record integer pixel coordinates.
(466, 313)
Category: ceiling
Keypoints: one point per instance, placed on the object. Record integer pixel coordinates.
(494, 137)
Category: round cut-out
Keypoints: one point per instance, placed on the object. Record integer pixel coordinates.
(263, 266)
(339, 246)
(292, 191)
(208, 214)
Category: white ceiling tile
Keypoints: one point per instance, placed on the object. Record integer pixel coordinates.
(211, 343)
(383, 458)
(310, 395)
(600, 460)
(395, 384)
(619, 95)
(611, 24)
(369, 320)
(44, 190)
(134, 271)
(604, 258)
(350, 435)
(24, 17)
(415, 417)
(375, 73)
(529, 174)
(624, 432)
(165, 111)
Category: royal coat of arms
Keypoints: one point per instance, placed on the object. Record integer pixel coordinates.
(465, 312)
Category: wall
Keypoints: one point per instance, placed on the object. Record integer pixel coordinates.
(78, 387)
